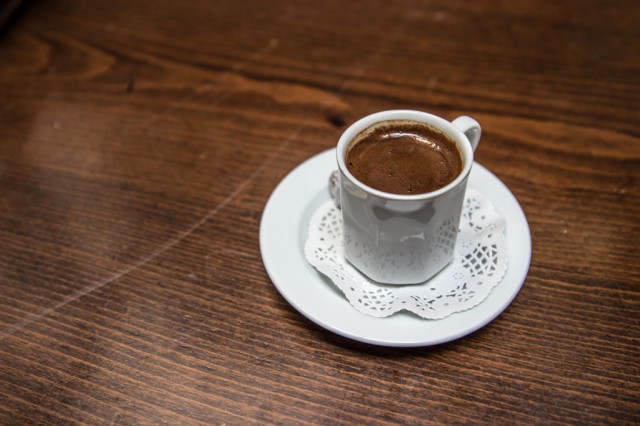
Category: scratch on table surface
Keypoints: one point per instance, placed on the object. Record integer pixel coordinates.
(270, 47)
(164, 247)
(8, 331)
(33, 317)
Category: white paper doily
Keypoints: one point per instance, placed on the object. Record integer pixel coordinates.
(479, 264)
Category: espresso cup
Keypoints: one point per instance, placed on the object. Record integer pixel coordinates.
(404, 238)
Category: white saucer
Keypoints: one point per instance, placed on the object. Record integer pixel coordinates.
(283, 232)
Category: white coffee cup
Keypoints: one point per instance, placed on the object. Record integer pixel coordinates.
(404, 239)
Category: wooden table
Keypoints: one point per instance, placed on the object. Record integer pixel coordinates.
(140, 141)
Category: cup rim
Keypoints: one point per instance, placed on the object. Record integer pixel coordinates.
(404, 114)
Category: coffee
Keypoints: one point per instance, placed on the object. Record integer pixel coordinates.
(404, 157)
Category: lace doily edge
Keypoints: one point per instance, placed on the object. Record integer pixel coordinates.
(322, 268)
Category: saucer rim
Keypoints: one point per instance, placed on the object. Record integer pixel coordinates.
(290, 204)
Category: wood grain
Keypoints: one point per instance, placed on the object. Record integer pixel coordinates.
(140, 141)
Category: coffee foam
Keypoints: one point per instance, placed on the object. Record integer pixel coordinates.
(404, 157)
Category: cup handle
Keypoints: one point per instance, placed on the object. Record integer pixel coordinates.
(471, 129)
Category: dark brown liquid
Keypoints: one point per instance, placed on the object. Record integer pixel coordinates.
(404, 157)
